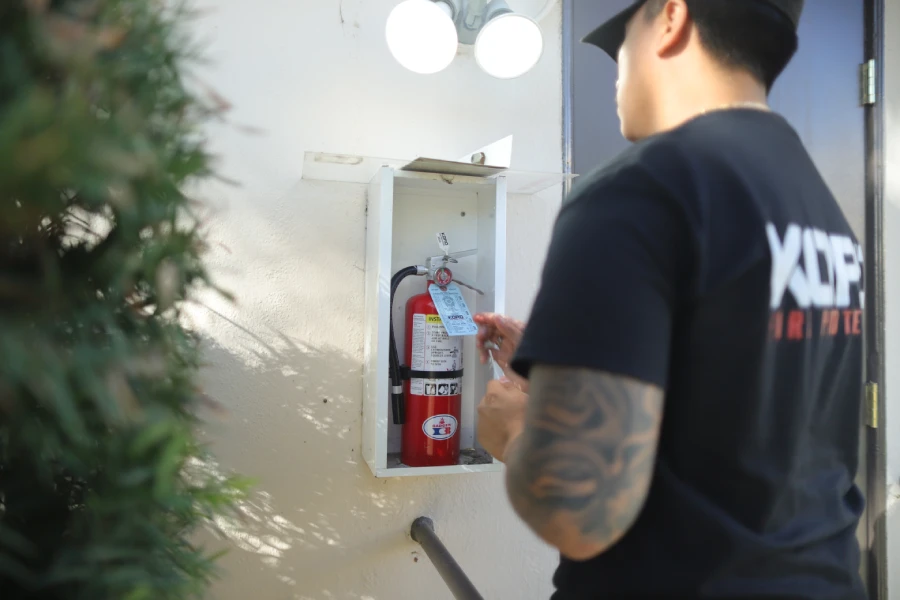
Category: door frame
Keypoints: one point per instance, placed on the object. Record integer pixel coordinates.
(568, 90)
(874, 554)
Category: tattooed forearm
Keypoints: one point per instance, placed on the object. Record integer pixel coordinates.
(580, 471)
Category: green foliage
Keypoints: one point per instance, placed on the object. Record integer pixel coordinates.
(99, 135)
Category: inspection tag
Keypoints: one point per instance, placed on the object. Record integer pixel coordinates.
(451, 306)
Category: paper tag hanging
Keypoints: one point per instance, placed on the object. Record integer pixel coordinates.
(443, 242)
(451, 306)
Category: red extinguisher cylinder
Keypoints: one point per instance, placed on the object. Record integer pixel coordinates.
(433, 403)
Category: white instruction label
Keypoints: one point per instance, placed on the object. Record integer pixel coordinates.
(453, 310)
(433, 350)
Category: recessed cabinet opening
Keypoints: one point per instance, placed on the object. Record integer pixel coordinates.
(406, 211)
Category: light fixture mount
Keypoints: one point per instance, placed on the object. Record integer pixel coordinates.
(470, 16)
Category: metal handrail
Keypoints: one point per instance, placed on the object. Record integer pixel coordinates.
(422, 532)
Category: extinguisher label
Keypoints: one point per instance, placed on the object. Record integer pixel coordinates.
(440, 427)
(434, 350)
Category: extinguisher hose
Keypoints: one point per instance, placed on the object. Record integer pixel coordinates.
(398, 402)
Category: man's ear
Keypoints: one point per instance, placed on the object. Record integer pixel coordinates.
(672, 26)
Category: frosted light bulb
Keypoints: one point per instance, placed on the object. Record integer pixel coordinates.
(421, 36)
(509, 46)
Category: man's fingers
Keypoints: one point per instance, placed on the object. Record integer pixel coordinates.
(487, 318)
(498, 335)
(499, 386)
(510, 329)
(485, 334)
(508, 383)
(495, 325)
(484, 337)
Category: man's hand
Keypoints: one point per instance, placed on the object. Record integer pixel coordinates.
(501, 417)
(505, 334)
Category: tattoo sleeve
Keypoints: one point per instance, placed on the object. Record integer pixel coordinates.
(580, 471)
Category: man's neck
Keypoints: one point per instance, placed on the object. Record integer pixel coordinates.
(689, 99)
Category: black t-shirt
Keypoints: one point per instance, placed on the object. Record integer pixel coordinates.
(713, 261)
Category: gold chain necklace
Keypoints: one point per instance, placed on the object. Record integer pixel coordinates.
(733, 105)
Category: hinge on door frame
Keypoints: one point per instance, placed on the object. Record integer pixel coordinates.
(872, 404)
(867, 87)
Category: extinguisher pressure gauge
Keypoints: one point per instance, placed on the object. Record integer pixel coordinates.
(441, 275)
(438, 271)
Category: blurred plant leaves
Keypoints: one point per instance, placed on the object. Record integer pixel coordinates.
(101, 478)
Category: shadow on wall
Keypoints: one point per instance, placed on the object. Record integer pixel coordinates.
(293, 425)
(286, 364)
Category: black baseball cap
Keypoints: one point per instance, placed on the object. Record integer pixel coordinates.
(611, 34)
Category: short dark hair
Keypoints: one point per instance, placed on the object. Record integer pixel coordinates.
(741, 35)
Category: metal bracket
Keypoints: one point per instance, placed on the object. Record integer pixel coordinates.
(872, 404)
(433, 263)
(471, 15)
(867, 83)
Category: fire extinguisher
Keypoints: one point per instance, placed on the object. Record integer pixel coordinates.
(426, 390)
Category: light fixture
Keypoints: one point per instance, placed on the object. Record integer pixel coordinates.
(507, 44)
(422, 36)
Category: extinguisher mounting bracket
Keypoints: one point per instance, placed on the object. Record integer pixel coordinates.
(407, 373)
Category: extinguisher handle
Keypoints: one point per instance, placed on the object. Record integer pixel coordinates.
(466, 285)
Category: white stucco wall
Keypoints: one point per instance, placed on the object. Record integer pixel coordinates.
(286, 359)
(892, 288)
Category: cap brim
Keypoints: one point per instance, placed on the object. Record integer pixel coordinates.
(610, 36)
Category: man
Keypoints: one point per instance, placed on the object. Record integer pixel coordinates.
(681, 416)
